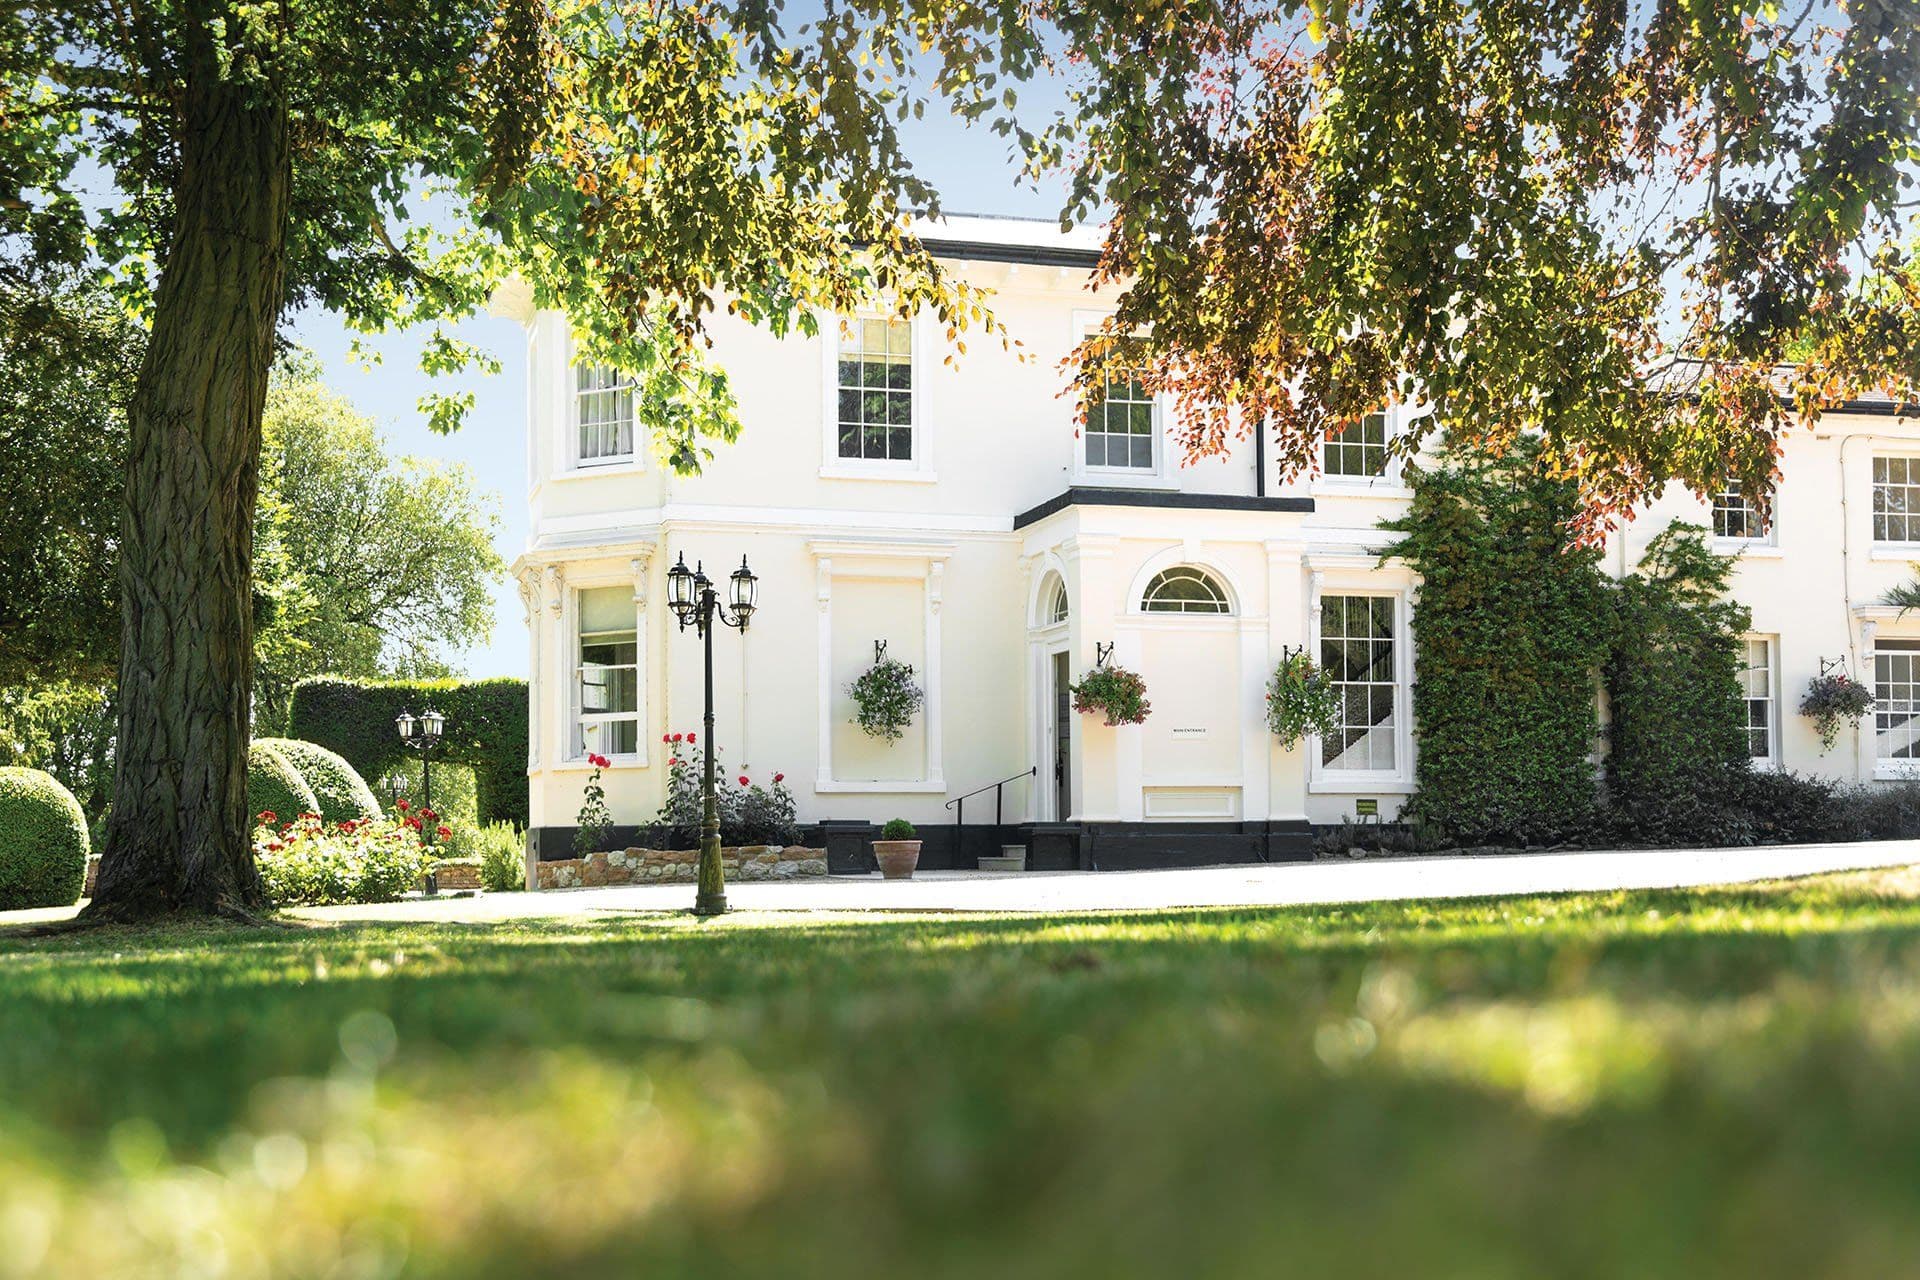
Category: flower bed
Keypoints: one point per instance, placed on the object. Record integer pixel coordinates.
(681, 866)
(309, 862)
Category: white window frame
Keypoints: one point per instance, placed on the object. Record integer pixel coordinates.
(917, 469)
(1157, 476)
(1728, 542)
(1322, 778)
(1390, 483)
(576, 718)
(599, 462)
(1224, 596)
(568, 464)
(1889, 768)
(1771, 658)
(1911, 461)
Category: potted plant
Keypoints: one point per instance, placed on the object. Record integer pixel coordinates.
(1114, 692)
(1833, 700)
(1301, 700)
(897, 850)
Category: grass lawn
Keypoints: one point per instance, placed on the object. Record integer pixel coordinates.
(1690, 1083)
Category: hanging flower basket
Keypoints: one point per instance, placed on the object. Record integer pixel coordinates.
(1301, 700)
(1833, 701)
(1114, 692)
(886, 698)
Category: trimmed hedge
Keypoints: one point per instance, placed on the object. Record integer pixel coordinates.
(275, 786)
(43, 842)
(340, 790)
(486, 730)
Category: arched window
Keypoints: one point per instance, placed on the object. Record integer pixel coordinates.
(1057, 603)
(1184, 589)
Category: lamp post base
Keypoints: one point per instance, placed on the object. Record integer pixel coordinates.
(711, 899)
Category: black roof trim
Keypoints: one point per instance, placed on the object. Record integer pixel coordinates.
(1878, 408)
(1094, 496)
(1031, 255)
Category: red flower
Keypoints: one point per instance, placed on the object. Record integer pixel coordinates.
(598, 761)
(779, 778)
(443, 832)
(428, 815)
(743, 779)
(268, 815)
(666, 737)
(674, 760)
(678, 737)
(689, 739)
(402, 805)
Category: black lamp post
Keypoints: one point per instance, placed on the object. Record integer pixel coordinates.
(697, 604)
(422, 733)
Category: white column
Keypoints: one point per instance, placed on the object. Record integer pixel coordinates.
(823, 597)
(936, 772)
(638, 567)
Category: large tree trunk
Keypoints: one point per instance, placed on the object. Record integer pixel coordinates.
(178, 837)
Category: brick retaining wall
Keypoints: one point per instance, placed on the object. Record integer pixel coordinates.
(681, 866)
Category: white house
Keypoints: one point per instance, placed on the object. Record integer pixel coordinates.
(953, 513)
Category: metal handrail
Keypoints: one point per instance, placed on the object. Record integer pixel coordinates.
(1012, 777)
(959, 803)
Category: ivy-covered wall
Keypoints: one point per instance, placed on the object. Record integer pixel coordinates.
(1676, 737)
(486, 730)
(1511, 630)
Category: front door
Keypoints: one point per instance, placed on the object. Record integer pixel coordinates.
(1062, 738)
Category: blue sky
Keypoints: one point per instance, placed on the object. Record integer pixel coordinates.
(973, 173)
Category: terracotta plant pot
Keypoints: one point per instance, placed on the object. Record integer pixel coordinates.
(897, 858)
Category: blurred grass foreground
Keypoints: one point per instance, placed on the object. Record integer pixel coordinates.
(1696, 1083)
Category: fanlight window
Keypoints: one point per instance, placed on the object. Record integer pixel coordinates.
(1184, 590)
(1057, 604)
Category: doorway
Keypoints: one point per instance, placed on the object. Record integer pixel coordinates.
(1062, 736)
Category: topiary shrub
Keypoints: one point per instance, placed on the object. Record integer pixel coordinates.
(43, 842)
(338, 787)
(274, 786)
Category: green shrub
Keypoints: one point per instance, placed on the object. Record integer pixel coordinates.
(897, 829)
(1877, 811)
(1787, 808)
(43, 842)
(486, 731)
(498, 848)
(274, 786)
(338, 787)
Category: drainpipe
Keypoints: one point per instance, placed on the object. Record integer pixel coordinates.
(1260, 461)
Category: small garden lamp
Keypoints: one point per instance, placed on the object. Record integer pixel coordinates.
(421, 733)
(692, 596)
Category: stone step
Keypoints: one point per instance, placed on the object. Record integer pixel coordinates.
(1012, 857)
